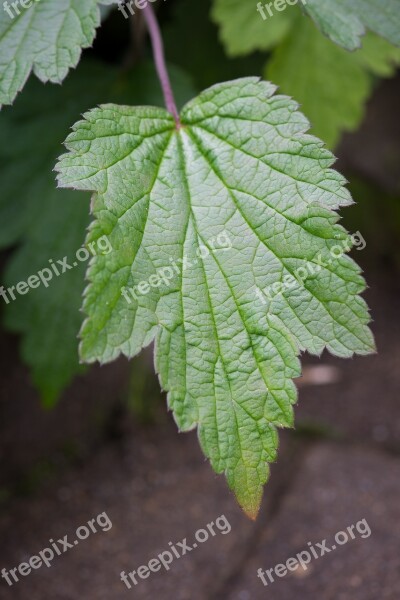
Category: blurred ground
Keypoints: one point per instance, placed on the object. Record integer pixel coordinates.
(341, 465)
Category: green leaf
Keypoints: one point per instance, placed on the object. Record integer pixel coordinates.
(331, 84)
(244, 198)
(243, 28)
(48, 317)
(378, 56)
(46, 37)
(49, 223)
(345, 21)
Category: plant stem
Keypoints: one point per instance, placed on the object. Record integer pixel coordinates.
(159, 57)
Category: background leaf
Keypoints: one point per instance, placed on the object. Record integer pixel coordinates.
(379, 56)
(345, 21)
(243, 28)
(331, 84)
(46, 38)
(50, 223)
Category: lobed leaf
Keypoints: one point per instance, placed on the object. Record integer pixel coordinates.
(230, 205)
(46, 38)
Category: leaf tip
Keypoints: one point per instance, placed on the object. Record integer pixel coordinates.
(252, 514)
(250, 505)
